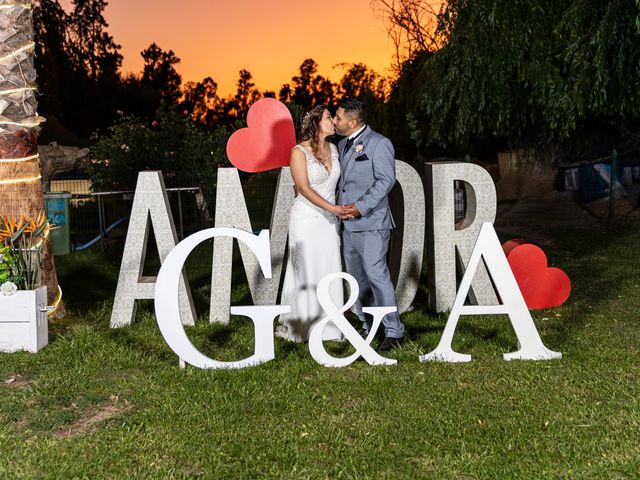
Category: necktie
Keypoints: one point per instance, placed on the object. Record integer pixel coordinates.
(348, 145)
(350, 141)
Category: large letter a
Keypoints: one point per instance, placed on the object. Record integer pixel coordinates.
(531, 347)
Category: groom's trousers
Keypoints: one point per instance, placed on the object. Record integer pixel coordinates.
(365, 257)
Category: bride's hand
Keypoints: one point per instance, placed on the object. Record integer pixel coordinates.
(336, 210)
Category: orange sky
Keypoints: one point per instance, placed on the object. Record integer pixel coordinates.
(270, 38)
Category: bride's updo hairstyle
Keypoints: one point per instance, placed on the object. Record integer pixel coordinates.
(310, 126)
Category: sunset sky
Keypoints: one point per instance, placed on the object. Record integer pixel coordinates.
(270, 38)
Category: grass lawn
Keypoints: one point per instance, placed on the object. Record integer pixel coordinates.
(102, 403)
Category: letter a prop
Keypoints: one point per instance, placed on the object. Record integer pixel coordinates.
(150, 205)
(488, 247)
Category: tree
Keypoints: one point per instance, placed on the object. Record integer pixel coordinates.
(285, 93)
(411, 25)
(308, 88)
(78, 64)
(363, 83)
(94, 50)
(20, 184)
(160, 74)
(52, 58)
(548, 73)
(359, 81)
(236, 107)
(201, 99)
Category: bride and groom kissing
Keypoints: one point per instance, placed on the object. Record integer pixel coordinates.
(361, 170)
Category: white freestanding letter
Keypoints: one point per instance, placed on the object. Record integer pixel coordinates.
(150, 205)
(412, 234)
(231, 211)
(168, 315)
(449, 245)
(531, 347)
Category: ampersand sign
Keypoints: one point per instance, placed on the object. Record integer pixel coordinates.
(336, 315)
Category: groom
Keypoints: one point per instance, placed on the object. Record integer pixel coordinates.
(368, 175)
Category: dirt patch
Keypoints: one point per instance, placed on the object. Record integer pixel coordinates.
(531, 183)
(92, 418)
(16, 381)
(20, 426)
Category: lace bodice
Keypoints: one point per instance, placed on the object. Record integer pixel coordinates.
(321, 180)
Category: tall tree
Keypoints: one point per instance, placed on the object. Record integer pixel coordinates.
(411, 25)
(236, 107)
(359, 81)
(20, 183)
(308, 88)
(53, 62)
(285, 93)
(94, 49)
(201, 100)
(363, 83)
(160, 73)
(78, 64)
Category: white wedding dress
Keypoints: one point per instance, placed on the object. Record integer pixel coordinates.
(314, 253)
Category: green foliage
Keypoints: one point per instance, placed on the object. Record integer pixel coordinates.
(6, 262)
(187, 155)
(539, 72)
(21, 244)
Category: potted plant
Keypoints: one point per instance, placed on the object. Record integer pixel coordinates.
(23, 300)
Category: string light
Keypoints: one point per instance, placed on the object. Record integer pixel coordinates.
(17, 90)
(15, 53)
(20, 180)
(18, 160)
(30, 124)
(55, 305)
(26, 6)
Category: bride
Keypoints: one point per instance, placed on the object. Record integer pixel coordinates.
(314, 238)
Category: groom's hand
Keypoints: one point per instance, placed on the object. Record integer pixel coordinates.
(351, 211)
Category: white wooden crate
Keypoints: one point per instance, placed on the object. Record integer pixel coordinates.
(23, 321)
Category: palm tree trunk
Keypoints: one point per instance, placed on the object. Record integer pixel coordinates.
(20, 183)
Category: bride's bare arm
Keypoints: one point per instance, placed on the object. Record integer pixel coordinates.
(301, 180)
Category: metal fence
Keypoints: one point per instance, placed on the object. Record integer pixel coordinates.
(102, 217)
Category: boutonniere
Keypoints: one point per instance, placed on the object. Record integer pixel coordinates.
(359, 147)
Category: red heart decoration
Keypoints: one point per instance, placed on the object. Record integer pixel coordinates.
(267, 141)
(541, 286)
(511, 244)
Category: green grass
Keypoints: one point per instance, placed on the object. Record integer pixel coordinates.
(102, 403)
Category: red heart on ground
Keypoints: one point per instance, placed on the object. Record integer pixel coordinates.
(541, 286)
(267, 141)
(511, 244)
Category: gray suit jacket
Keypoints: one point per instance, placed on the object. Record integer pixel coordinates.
(366, 179)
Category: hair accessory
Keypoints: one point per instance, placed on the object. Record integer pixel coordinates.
(305, 119)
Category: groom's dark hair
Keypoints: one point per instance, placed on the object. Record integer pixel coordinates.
(355, 108)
